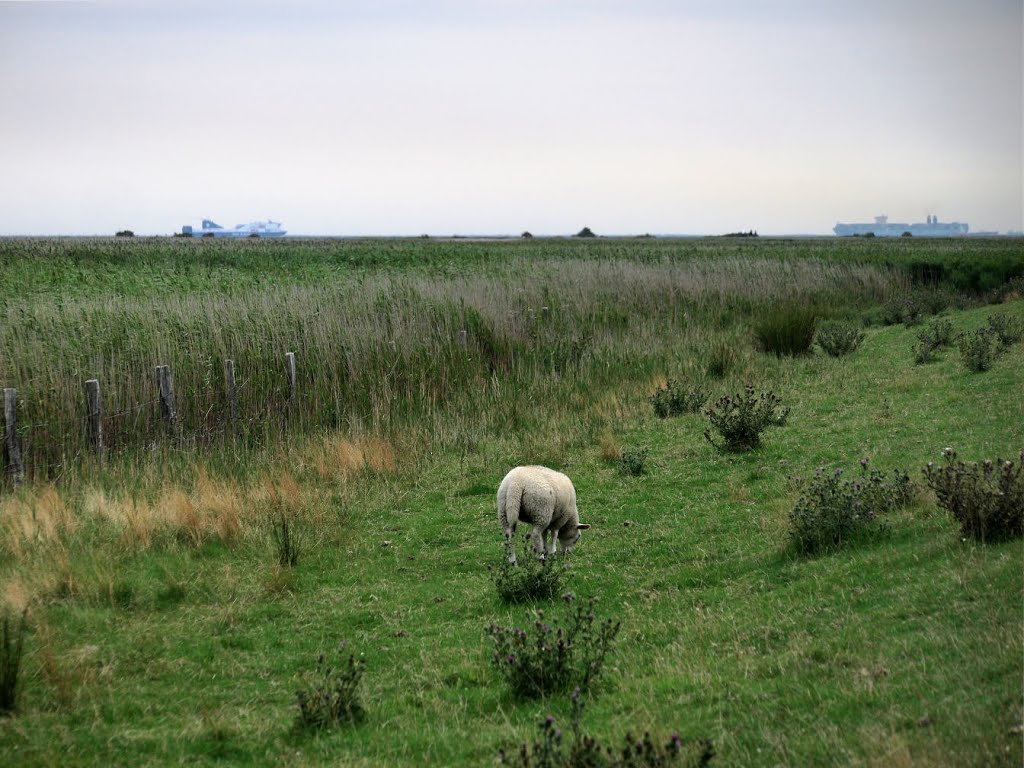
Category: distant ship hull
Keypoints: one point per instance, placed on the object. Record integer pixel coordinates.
(882, 227)
(252, 229)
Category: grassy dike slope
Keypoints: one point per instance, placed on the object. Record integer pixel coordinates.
(907, 651)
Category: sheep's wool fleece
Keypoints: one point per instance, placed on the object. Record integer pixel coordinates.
(530, 493)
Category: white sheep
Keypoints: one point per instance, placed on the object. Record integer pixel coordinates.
(546, 499)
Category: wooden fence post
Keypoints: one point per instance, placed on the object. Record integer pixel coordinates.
(166, 384)
(545, 313)
(94, 414)
(229, 386)
(12, 451)
(463, 338)
(289, 366)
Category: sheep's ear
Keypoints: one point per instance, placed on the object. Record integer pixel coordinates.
(583, 526)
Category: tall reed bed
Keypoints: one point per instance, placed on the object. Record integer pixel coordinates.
(376, 352)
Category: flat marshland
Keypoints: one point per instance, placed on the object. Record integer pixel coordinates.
(163, 628)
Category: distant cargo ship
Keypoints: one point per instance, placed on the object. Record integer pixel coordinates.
(885, 228)
(252, 229)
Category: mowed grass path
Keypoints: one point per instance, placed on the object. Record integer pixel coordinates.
(907, 651)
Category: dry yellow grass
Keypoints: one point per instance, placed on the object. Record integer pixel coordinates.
(220, 504)
(14, 595)
(611, 451)
(339, 458)
(32, 517)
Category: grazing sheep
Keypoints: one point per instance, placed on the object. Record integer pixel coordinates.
(546, 499)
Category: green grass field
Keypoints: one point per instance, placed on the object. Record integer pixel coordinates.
(162, 630)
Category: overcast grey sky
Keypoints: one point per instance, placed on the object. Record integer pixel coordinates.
(496, 116)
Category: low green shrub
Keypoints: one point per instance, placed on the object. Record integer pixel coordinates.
(634, 462)
(902, 309)
(932, 338)
(987, 499)
(913, 314)
(1008, 291)
(675, 399)
(531, 578)
(333, 696)
(551, 659)
(892, 311)
(979, 349)
(587, 752)
(12, 645)
(910, 309)
(839, 338)
(934, 299)
(831, 511)
(786, 328)
(740, 419)
(1008, 330)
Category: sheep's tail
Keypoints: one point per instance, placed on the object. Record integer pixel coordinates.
(508, 513)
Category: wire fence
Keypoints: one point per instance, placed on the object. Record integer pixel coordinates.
(40, 448)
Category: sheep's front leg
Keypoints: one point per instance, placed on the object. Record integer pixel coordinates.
(550, 539)
(537, 536)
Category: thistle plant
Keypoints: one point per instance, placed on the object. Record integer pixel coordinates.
(675, 399)
(838, 338)
(634, 461)
(912, 312)
(987, 499)
(740, 419)
(333, 697)
(548, 659)
(532, 578)
(585, 751)
(932, 338)
(832, 511)
(979, 349)
(1008, 330)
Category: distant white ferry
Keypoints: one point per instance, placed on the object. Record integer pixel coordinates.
(252, 229)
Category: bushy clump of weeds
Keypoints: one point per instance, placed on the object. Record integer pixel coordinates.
(585, 751)
(832, 511)
(333, 695)
(987, 499)
(1008, 291)
(532, 578)
(902, 309)
(634, 462)
(932, 338)
(12, 644)
(892, 312)
(675, 399)
(1008, 330)
(550, 659)
(786, 328)
(979, 349)
(934, 299)
(838, 338)
(740, 419)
